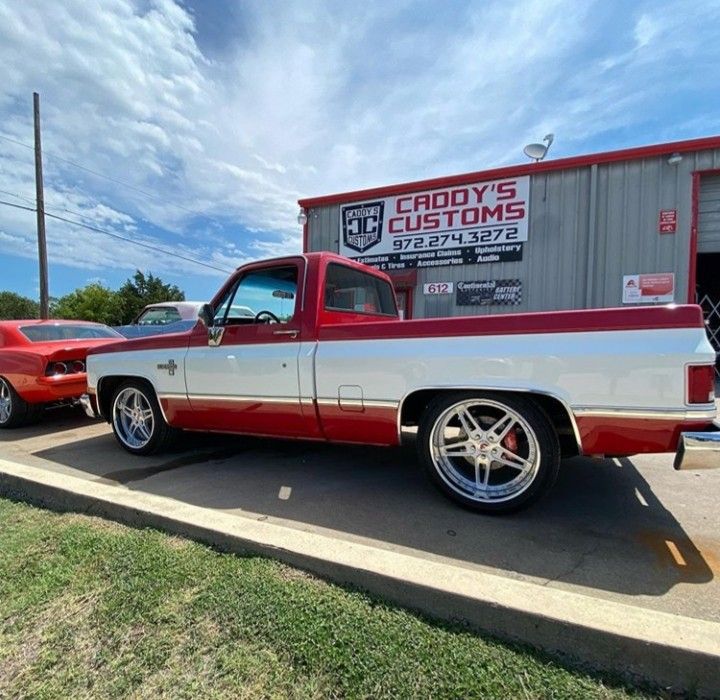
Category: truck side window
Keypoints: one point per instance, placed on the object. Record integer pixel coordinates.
(348, 289)
(272, 290)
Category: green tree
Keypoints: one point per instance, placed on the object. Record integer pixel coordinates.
(93, 302)
(145, 289)
(15, 306)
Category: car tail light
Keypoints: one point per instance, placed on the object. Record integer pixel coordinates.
(55, 369)
(700, 383)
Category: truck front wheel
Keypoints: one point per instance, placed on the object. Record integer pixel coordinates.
(492, 453)
(137, 421)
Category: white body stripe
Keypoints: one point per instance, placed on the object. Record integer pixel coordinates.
(639, 372)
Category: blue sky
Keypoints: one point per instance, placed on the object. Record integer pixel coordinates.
(217, 116)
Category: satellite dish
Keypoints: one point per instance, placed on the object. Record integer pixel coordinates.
(536, 151)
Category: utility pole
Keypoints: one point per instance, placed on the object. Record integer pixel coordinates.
(40, 206)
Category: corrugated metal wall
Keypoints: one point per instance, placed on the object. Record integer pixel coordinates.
(709, 214)
(588, 227)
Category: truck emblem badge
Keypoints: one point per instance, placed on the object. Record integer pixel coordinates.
(362, 225)
(170, 367)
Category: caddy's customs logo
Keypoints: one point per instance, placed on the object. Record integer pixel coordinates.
(362, 225)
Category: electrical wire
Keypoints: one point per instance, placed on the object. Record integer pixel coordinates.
(17, 206)
(145, 193)
(156, 249)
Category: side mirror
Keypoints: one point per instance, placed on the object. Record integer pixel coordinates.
(207, 315)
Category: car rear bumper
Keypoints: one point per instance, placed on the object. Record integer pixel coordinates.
(699, 450)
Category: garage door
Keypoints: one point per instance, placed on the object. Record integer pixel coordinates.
(709, 214)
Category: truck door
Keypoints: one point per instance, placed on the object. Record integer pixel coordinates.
(242, 374)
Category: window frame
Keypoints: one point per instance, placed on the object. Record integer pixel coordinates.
(378, 280)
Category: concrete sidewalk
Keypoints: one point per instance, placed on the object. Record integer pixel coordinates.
(672, 651)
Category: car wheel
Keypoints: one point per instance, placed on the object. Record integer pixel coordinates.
(137, 421)
(489, 452)
(14, 410)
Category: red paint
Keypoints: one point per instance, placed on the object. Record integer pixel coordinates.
(585, 321)
(371, 425)
(692, 264)
(289, 419)
(24, 363)
(153, 342)
(694, 220)
(627, 436)
(516, 171)
(667, 221)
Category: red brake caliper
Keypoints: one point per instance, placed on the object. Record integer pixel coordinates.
(510, 441)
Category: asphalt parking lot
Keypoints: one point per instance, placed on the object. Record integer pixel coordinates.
(631, 530)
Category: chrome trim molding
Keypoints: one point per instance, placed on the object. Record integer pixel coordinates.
(295, 400)
(372, 403)
(659, 414)
(699, 450)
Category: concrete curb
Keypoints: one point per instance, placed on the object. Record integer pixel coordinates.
(659, 648)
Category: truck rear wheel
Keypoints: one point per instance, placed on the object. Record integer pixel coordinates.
(137, 421)
(492, 453)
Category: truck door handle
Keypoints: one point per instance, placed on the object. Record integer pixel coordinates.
(292, 334)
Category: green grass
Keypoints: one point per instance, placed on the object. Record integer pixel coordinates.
(94, 609)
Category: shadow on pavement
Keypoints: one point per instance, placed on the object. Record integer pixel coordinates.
(601, 527)
(53, 420)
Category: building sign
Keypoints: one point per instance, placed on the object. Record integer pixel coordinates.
(489, 293)
(466, 224)
(438, 288)
(646, 289)
(667, 221)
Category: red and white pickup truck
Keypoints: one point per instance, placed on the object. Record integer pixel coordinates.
(497, 401)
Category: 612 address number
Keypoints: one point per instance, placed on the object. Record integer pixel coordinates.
(438, 288)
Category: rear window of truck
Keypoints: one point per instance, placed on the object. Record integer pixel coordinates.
(348, 289)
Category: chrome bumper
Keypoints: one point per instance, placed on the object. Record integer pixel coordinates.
(88, 405)
(699, 450)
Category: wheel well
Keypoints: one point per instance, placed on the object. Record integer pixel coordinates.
(414, 405)
(106, 389)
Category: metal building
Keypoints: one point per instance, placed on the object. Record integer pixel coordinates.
(636, 226)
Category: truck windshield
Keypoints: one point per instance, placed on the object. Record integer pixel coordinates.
(348, 289)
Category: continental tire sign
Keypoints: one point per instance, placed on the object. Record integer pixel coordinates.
(489, 293)
(468, 224)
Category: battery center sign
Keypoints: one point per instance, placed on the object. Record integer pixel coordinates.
(468, 224)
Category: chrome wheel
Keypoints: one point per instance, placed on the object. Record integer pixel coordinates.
(484, 450)
(5, 401)
(133, 418)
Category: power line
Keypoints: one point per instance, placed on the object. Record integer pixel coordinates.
(156, 249)
(145, 193)
(17, 206)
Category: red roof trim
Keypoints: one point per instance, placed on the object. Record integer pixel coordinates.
(517, 170)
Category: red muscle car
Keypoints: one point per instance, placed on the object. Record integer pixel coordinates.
(42, 363)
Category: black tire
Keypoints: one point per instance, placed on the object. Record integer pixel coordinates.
(536, 459)
(20, 411)
(160, 433)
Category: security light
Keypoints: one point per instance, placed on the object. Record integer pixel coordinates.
(674, 159)
(302, 217)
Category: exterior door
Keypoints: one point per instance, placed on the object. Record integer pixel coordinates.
(247, 381)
